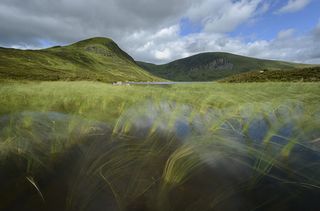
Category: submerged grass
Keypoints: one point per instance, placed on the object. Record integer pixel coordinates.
(94, 146)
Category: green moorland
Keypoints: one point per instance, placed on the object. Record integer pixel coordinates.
(96, 59)
(309, 74)
(213, 66)
(211, 146)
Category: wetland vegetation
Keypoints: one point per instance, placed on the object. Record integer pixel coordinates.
(212, 146)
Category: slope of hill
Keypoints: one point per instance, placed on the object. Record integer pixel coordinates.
(213, 66)
(310, 74)
(97, 59)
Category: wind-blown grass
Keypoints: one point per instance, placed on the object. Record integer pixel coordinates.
(94, 146)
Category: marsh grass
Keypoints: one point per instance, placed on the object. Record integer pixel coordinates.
(93, 146)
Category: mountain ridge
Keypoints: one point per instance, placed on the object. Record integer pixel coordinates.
(101, 59)
(210, 66)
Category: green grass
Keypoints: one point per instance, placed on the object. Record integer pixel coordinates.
(213, 66)
(96, 59)
(91, 98)
(94, 146)
(311, 74)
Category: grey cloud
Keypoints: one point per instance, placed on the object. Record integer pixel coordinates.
(70, 20)
(316, 32)
(154, 9)
(196, 46)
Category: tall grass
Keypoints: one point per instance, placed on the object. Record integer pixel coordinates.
(93, 146)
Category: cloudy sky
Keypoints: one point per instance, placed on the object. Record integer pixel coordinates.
(161, 31)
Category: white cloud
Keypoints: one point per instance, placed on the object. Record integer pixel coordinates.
(223, 15)
(293, 6)
(162, 54)
(285, 34)
(286, 46)
(166, 32)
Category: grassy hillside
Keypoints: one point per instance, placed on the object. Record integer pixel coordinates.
(310, 74)
(213, 66)
(96, 59)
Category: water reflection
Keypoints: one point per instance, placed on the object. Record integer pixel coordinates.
(163, 156)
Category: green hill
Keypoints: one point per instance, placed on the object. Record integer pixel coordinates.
(96, 59)
(213, 66)
(309, 74)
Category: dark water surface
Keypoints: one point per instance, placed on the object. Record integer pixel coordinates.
(161, 157)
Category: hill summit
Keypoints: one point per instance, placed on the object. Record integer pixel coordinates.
(213, 66)
(97, 59)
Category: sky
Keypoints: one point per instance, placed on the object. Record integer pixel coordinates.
(162, 31)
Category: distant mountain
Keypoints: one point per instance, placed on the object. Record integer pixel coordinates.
(97, 59)
(309, 74)
(213, 66)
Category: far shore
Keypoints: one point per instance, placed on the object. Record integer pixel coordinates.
(120, 83)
